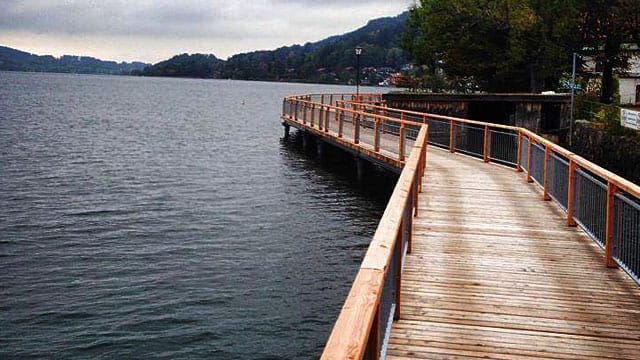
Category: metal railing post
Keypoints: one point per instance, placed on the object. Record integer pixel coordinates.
(608, 248)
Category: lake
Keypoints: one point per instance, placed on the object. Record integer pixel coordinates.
(167, 218)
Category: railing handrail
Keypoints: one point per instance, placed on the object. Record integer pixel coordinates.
(350, 334)
(353, 111)
(356, 324)
(581, 162)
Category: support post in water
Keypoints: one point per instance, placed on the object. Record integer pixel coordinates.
(360, 168)
(320, 148)
(286, 131)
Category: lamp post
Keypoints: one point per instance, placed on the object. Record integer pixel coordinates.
(573, 95)
(358, 53)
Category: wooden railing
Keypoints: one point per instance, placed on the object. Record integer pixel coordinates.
(346, 126)
(605, 205)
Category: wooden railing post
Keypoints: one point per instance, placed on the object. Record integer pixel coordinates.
(304, 113)
(320, 116)
(519, 155)
(452, 139)
(486, 144)
(545, 186)
(322, 99)
(571, 190)
(401, 142)
(376, 135)
(327, 119)
(529, 179)
(608, 248)
(340, 115)
(331, 99)
(295, 112)
(373, 345)
(312, 122)
(356, 128)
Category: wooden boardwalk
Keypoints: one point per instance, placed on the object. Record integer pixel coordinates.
(496, 273)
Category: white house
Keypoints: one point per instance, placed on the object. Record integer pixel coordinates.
(630, 83)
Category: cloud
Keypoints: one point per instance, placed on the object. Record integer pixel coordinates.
(223, 27)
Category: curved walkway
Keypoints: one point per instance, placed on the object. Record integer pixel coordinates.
(496, 273)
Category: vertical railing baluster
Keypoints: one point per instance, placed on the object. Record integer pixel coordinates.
(609, 225)
(519, 155)
(570, 192)
(340, 115)
(545, 187)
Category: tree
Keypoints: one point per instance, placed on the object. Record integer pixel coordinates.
(498, 46)
(608, 27)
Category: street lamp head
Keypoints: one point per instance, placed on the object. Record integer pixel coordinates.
(358, 51)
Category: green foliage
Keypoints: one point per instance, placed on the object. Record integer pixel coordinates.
(608, 26)
(496, 46)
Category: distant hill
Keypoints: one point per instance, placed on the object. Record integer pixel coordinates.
(331, 60)
(16, 60)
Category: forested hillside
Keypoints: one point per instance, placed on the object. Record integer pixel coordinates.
(331, 60)
(16, 60)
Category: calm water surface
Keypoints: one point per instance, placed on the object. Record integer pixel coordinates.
(166, 218)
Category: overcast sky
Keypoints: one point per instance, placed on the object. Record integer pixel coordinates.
(154, 30)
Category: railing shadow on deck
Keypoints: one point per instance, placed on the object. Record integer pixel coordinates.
(605, 205)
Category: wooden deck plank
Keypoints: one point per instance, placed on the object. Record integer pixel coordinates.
(496, 273)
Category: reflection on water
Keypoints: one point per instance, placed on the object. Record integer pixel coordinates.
(163, 218)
